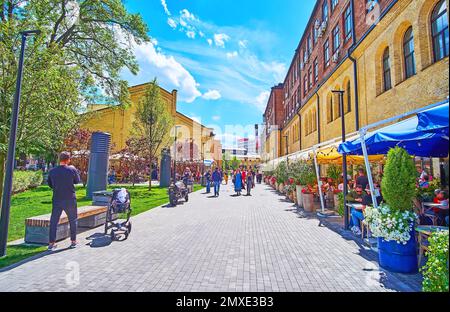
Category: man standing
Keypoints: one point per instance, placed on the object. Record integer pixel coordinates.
(362, 179)
(217, 180)
(62, 180)
(208, 181)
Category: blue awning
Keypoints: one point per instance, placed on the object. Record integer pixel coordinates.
(405, 135)
(434, 119)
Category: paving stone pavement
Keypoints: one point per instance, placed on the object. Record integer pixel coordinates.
(255, 244)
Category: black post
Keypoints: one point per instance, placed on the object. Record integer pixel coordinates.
(6, 200)
(344, 157)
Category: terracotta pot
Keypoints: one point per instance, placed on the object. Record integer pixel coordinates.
(298, 191)
(308, 202)
(281, 188)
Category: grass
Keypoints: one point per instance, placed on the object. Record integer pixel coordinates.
(39, 201)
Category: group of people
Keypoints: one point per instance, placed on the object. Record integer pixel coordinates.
(242, 179)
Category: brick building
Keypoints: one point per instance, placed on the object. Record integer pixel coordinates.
(380, 53)
(273, 120)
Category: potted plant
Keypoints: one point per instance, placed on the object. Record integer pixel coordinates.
(334, 172)
(393, 223)
(308, 198)
(435, 272)
(281, 175)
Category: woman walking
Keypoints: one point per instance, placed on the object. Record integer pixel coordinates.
(238, 182)
(249, 182)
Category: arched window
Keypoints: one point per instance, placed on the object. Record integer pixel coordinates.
(314, 120)
(348, 95)
(387, 85)
(439, 28)
(311, 122)
(330, 108)
(408, 53)
(306, 124)
(336, 108)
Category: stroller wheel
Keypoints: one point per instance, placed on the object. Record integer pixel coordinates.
(113, 236)
(128, 228)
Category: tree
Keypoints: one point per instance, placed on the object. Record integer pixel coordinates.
(64, 66)
(152, 124)
(78, 144)
(235, 163)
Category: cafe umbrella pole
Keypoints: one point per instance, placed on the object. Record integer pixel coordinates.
(7, 191)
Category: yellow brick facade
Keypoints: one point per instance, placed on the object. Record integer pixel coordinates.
(118, 122)
(428, 86)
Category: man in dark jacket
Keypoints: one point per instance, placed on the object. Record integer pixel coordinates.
(62, 180)
(217, 180)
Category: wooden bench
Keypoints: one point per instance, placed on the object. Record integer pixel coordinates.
(37, 229)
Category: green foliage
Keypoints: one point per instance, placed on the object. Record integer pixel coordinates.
(281, 172)
(435, 272)
(25, 180)
(334, 172)
(399, 183)
(340, 207)
(427, 194)
(235, 163)
(303, 173)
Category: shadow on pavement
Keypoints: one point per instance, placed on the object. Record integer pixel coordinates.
(99, 240)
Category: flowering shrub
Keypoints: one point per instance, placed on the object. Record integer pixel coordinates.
(435, 272)
(389, 224)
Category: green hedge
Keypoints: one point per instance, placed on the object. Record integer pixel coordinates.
(25, 180)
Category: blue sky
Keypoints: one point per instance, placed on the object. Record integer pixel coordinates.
(222, 56)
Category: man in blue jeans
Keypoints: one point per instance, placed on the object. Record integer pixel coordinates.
(62, 180)
(217, 180)
(208, 181)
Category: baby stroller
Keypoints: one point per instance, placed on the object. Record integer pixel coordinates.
(120, 204)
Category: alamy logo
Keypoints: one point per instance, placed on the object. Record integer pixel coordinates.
(73, 275)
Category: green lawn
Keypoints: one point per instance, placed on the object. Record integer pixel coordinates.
(39, 201)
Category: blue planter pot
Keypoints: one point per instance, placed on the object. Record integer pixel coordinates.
(397, 257)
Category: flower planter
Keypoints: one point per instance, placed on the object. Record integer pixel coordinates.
(308, 202)
(336, 202)
(298, 191)
(281, 188)
(397, 257)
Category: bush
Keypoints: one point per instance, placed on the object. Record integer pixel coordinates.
(399, 181)
(435, 272)
(25, 180)
(340, 207)
(281, 172)
(334, 172)
(303, 173)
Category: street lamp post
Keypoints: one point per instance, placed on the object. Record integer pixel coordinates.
(6, 200)
(344, 156)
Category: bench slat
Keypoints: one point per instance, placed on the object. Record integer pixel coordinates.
(83, 212)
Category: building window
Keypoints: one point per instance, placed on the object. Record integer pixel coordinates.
(348, 24)
(348, 107)
(439, 27)
(408, 52)
(326, 53)
(309, 44)
(336, 39)
(316, 70)
(310, 77)
(336, 106)
(305, 85)
(330, 108)
(325, 11)
(387, 85)
(334, 3)
(370, 5)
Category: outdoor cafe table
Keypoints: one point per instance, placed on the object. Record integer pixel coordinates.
(434, 205)
(424, 232)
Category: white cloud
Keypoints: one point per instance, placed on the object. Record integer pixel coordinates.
(243, 44)
(188, 15)
(191, 34)
(212, 95)
(216, 118)
(210, 42)
(261, 100)
(169, 72)
(172, 23)
(220, 39)
(231, 55)
(164, 4)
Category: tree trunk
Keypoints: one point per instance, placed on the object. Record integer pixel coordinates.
(150, 178)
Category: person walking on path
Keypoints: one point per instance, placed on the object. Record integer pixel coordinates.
(208, 181)
(244, 178)
(225, 177)
(217, 180)
(249, 183)
(238, 182)
(62, 181)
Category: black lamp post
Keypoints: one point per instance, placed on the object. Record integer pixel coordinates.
(344, 156)
(6, 200)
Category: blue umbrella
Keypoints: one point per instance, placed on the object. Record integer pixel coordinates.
(435, 119)
(405, 135)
